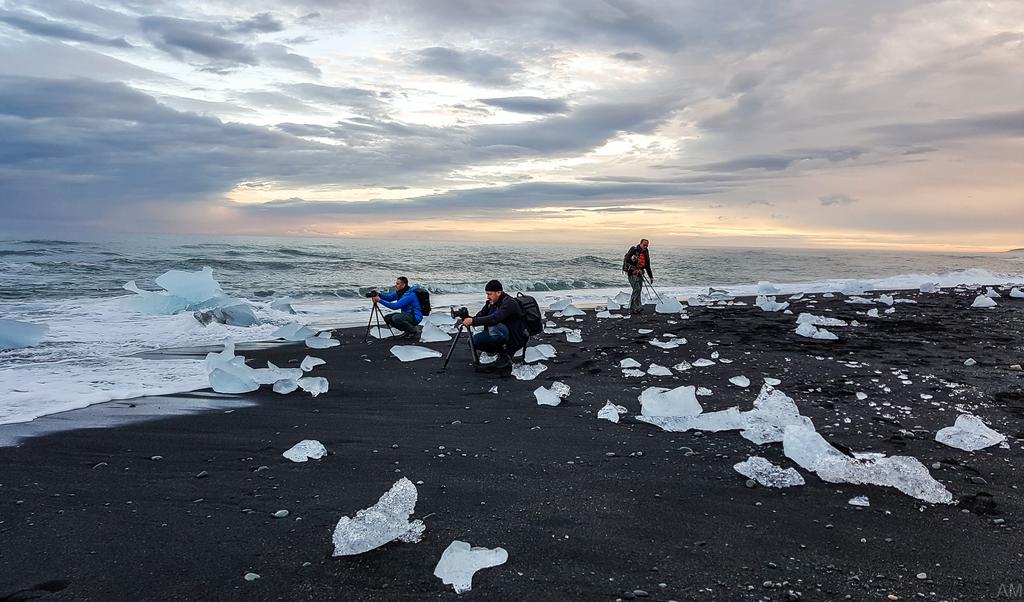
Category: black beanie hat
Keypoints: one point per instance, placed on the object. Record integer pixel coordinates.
(493, 286)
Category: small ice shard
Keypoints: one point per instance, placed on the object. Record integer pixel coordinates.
(433, 334)
(983, 302)
(309, 362)
(929, 287)
(293, 332)
(695, 302)
(560, 305)
(969, 433)
(227, 382)
(385, 521)
(540, 353)
(767, 474)
(891, 310)
(383, 332)
(1016, 293)
(271, 374)
(809, 449)
(773, 411)
(872, 313)
(629, 363)
(612, 304)
(572, 310)
(633, 373)
(860, 301)
(767, 288)
(769, 304)
(715, 355)
(886, 300)
(672, 344)
(493, 390)
(703, 391)
(669, 305)
(740, 381)
(806, 318)
(322, 341)
(860, 501)
(411, 353)
(659, 401)
(285, 386)
(459, 562)
(773, 382)
(573, 335)
(861, 396)
(970, 362)
(796, 297)
(306, 449)
(609, 412)
(703, 362)
(991, 293)
(644, 330)
(682, 366)
(811, 332)
(283, 304)
(18, 335)
(314, 385)
(552, 396)
(527, 371)
(607, 314)
(656, 370)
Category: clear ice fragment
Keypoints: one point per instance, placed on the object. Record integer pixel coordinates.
(659, 401)
(460, 562)
(309, 362)
(306, 449)
(969, 433)
(314, 385)
(767, 474)
(18, 335)
(411, 353)
(527, 371)
(385, 521)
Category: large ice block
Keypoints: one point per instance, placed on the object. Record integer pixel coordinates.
(983, 302)
(314, 385)
(552, 396)
(228, 382)
(433, 334)
(17, 335)
(659, 401)
(293, 332)
(669, 305)
(322, 341)
(767, 474)
(306, 449)
(540, 353)
(460, 562)
(969, 433)
(411, 353)
(773, 411)
(385, 521)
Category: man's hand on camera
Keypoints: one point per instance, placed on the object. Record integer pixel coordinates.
(467, 321)
(375, 298)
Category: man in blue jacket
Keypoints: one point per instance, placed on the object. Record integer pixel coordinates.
(405, 300)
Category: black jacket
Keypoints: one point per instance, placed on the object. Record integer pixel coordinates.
(506, 311)
(631, 261)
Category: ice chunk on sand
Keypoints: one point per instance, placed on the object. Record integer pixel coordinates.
(809, 449)
(859, 501)
(271, 374)
(633, 373)
(192, 286)
(773, 411)
(722, 420)
(459, 562)
(283, 304)
(622, 298)
(682, 366)
(769, 304)
(703, 362)
(969, 433)
(539, 353)
(768, 474)
(740, 381)
(983, 302)
(18, 335)
(573, 335)
(285, 386)
(411, 353)
(385, 521)
(309, 362)
(572, 310)
(1016, 293)
(886, 300)
(306, 449)
(293, 332)
(991, 293)
(872, 313)
(772, 381)
(703, 391)
(322, 341)
(607, 314)
(929, 287)
(383, 332)
(433, 334)
(552, 396)
(228, 372)
(767, 288)
(672, 344)
(806, 318)
(669, 305)
(659, 401)
(560, 304)
(228, 382)
(970, 362)
(236, 314)
(314, 385)
(809, 331)
(629, 363)
(527, 371)
(612, 304)
(609, 412)
(656, 370)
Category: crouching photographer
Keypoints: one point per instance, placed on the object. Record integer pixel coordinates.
(406, 299)
(504, 326)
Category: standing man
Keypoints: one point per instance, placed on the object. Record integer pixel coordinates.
(634, 264)
(407, 302)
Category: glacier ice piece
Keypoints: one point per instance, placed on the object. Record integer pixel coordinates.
(767, 474)
(183, 290)
(527, 371)
(983, 302)
(229, 382)
(560, 304)
(228, 372)
(659, 401)
(773, 411)
(670, 344)
(656, 370)
(609, 412)
(460, 562)
(886, 300)
(385, 521)
(283, 304)
(767, 288)
(929, 287)
(285, 386)
(572, 310)
(703, 362)
(612, 304)
(740, 381)
(314, 385)
(411, 353)
(271, 374)
(811, 332)
(806, 318)
(607, 314)
(860, 501)
(808, 448)
(573, 335)
(293, 331)
(644, 330)
(309, 362)
(770, 304)
(238, 314)
(872, 313)
(774, 382)
(633, 373)
(322, 341)
(1016, 293)
(703, 391)
(192, 286)
(969, 433)
(15, 334)
(540, 353)
(622, 298)
(723, 420)
(682, 366)
(552, 396)
(383, 332)
(629, 363)
(669, 305)
(970, 362)
(306, 449)
(991, 293)
(433, 334)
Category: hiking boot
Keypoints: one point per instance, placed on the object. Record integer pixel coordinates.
(408, 336)
(504, 362)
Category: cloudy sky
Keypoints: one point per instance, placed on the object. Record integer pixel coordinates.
(760, 123)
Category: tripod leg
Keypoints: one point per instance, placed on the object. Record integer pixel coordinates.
(368, 322)
(380, 316)
(455, 342)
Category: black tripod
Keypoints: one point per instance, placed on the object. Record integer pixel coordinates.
(375, 312)
(650, 287)
(472, 346)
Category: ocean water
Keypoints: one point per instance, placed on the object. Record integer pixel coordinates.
(76, 288)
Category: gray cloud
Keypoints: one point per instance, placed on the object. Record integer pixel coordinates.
(359, 98)
(833, 200)
(531, 105)
(470, 65)
(261, 23)
(782, 162)
(628, 56)
(43, 27)
(1000, 125)
(178, 36)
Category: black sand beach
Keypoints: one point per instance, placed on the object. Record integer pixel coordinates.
(587, 509)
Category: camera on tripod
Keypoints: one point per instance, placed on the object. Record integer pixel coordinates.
(460, 314)
(372, 294)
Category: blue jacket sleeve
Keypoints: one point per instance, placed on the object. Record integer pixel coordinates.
(405, 301)
(388, 296)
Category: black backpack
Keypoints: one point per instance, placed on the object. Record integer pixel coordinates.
(531, 313)
(423, 295)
